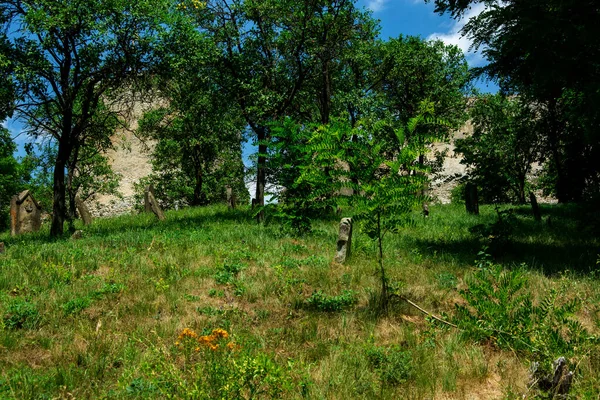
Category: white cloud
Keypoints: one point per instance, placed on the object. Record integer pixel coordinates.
(376, 5)
(455, 37)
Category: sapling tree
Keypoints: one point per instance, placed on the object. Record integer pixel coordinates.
(384, 191)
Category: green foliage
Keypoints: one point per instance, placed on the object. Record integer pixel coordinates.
(506, 141)
(228, 272)
(544, 50)
(392, 364)
(76, 306)
(10, 182)
(21, 314)
(501, 311)
(68, 59)
(320, 301)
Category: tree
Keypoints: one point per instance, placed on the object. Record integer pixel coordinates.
(10, 177)
(268, 51)
(69, 57)
(198, 129)
(414, 71)
(505, 143)
(547, 50)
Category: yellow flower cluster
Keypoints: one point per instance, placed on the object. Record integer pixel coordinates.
(209, 341)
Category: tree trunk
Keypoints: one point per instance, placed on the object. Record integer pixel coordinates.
(197, 200)
(261, 176)
(553, 131)
(58, 208)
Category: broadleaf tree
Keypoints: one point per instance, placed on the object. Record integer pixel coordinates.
(69, 57)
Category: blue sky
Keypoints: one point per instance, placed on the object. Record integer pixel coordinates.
(406, 17)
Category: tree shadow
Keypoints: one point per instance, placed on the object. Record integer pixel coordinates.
(567, 239)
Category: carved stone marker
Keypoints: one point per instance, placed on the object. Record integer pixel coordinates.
(149, 191)
(2, 249)
(83, 211)
(471, 199)
(344, 243)
(77, 235)
(557, 384)
(154, 207)
(25, 214)
(231, 199)
(535, 207)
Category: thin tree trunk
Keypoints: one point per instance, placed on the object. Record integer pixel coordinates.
(261, 176)
(198, 187)
(58, 208)
(384, 287)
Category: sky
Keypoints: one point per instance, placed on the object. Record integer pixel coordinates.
(397, 17)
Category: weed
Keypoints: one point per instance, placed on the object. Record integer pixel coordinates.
(21, 314)
(322, 302)
(75, 306)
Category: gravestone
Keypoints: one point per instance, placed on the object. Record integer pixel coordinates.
(83, 211)
(149, 191)
(535, 207)
(471, 199)
(344, 243)
(2, 248)
(425, 210)
(154, 207)
(25, 214)
(77, 235)
(231, 199)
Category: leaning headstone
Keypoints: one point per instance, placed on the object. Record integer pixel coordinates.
(471, 199)
(231, 199)
(535, 207)
(2, 248)
(344, 243)
(425, 210)
(149, 191)
(558, 384)
(25, 214)
(155, 207)
(83, 211)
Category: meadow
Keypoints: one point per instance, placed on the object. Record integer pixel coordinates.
(209, 304)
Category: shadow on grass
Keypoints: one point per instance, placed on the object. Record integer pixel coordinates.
(566, 239)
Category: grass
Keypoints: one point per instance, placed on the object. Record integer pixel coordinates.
(102, 317)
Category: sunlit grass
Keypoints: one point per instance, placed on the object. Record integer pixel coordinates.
(99, 317)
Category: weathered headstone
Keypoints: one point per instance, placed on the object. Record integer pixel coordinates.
(231, 199)
(77, 235)
(344, 243)
(425, 210)
(155, 207)
(535, 207)
(149, 191)
(557, 384)
(83, 211)
(471, 199)
(2, 249)
(25, 214)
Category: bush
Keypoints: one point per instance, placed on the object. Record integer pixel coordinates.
(21, 314)
(322, 302)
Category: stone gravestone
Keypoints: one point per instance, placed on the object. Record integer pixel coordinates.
(25, 214)
(231, 199)
(471, 199)
(83, 211)
(344, 243)
(425, 210)
(154, 207)
(2, 249)
(149, 191)
(535, 207)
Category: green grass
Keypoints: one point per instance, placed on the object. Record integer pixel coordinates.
(100, 317)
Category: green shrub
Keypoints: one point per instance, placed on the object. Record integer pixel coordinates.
(21, 314)
(500, 310)
(392, 364)
(323, 302)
